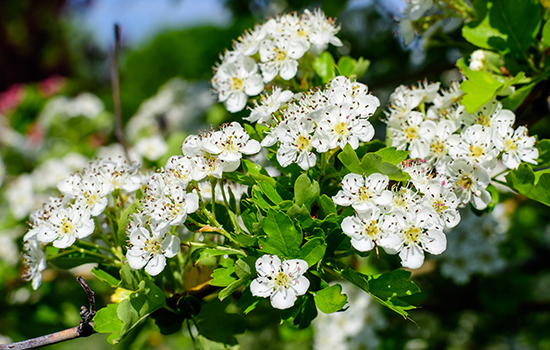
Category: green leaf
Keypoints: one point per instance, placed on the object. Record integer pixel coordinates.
(324, 66)
(203, 253)
(283, 239)
(67, 259)
(392, 155)
(248, 302)
(148, 288)
(326, 206)
(544, 153)
(230, 289)
(524, 180)
(270, 192)
(105, 277)
(515, 99)
(306, 313)
(106, 321)
(130, 278)
(167, 321)
(245, 268)
(479, 89)
(386, 288)
(546, 34)
(346, 66)
(306, 191)
(349, 159)
(132, 311)
(505, 26)
(330, 299)
(313, 251)
(223, 277)
(361, 67)
(217, 325)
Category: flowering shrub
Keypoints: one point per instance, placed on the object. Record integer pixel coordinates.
(275, 208)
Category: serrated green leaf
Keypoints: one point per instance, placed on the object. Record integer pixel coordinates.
(324, 66)
(132, 311)
(306, 191)
(331, 299)
(129, 278)
(524, 181)
(245, 268)
(105, 277)
(68, 260)
(346, 66)
(543, 146)
(152, 291)
(515, 99)
(223, 277)
(392, 155)
(505, 26)
(313, 251)
(282, 237)
(106, 321)
(386, 288)
(478, 89)
(349, 159)
(270, 192)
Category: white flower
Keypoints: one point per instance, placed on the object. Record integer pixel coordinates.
(230, 143)
(269, 104)
(516, 146)
(444, 202)
(118, 172)
(282, 282)
(474, 144)
(279, 57)
(150, 249)
(417, 232)
(65, 226)
(235, 81)
(364, 193)
(89, 190)
(470, 182)
(296, 143)
(368, 228)
(34, 262)
(322, 30)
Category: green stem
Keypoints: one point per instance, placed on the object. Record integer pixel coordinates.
(497, 175)
(93, 245)
(213, 182)
(218, 247)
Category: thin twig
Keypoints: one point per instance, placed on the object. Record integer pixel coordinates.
(84, 329)
(116, 93)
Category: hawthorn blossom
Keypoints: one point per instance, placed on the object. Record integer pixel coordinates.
(368, 228)
(282, 282)
(296, 143)
(150, 248)
(230, 143)
(416, 232)
(474, 144)
(235, 81)
(65, 225)
(362, 193)
(516, 146)
(89, 190)
(269, 104)
(279, 56)
(469, 182)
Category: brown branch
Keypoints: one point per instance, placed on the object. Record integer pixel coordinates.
(116, 93)
(84, 329)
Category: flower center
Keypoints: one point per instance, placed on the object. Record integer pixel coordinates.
(484, 120)
(465, 182)
(511, 145)
(282, 280)
(364, 194)
(439, 206)
(237, 84)
(280, 55)
(67, 227)
(476, 151)
(152, 245)
(341, 129)
(411, 132)
(438, 147)
(412, 235)
(371, 230)
(302, 143)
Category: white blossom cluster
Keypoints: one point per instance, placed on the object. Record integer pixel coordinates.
(406, 220)
(85, 195)
(270, 50)
(321, 121)
(167, 203)
(464, 147)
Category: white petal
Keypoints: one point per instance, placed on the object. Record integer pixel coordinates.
(435, 242)
(170, 245)
(362, 245)
(412, 256)
(260, 288)
(136, 262)
(283, 299)
(64, 241)
(156, 265)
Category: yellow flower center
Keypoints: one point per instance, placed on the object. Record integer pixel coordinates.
(67, 227)
(280, 55)
(411, 132)
(371, 230)
(341, 129)
(282, 280)
(237, 84)
(476, 151)
(465, 182)
(412, 235)
(439, 206)
(511, 144)
(364, 194)
(152, 245)
(303, 143)
(438, 147)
